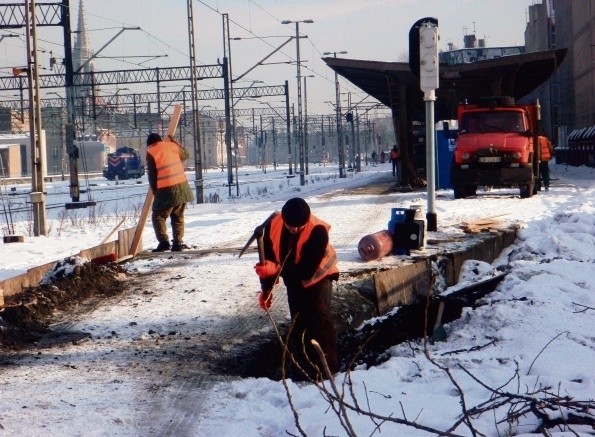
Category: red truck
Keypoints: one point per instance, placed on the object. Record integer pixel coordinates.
(496, 145)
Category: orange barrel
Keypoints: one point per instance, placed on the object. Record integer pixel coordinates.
(376, 245)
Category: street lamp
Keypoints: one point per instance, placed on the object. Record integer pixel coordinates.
(338, 117)
(299, 94)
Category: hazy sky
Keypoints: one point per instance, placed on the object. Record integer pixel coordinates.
(370, 29)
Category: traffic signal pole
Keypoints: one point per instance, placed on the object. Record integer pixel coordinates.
(428, 81)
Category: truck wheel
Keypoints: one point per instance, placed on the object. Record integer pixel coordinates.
(471, 190)
(526, 190)
(459, 192)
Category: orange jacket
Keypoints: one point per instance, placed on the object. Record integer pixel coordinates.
(546, 148)
(395, 154)
(170, 169)
(327, 266)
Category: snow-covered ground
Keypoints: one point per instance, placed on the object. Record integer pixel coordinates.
(535, 331)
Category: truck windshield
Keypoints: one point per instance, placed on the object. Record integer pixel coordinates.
(492, 121)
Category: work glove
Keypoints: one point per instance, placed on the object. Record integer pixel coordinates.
(265, 299)
(266, 269)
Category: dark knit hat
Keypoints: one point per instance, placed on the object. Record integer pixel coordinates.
(295, 212)
(153, 138)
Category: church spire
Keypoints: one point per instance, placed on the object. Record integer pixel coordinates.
(82, 49)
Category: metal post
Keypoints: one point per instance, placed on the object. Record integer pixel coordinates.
(227, 125)
(352, 145)
(306, 145)
(262, 148)
(69, 132)
(358, 164)
(430, 97)
(339, 127)
(299, 102)
(295, 132)
(37, 152)
(367, 139)
(429, 82)
(274, 144)
(198, 179)
(288, 122)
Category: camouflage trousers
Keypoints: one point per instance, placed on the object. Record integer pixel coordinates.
(176, 216)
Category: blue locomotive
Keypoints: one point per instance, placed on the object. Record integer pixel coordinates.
(124, 163)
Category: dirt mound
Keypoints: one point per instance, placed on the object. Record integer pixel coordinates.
(67, 285)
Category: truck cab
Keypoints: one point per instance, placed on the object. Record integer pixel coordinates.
(495, 146)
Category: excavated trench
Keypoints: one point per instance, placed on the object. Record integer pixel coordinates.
(369, 344)
(89, 285)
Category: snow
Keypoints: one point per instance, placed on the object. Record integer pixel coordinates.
(534, 331)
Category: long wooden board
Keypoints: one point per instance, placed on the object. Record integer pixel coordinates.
(142, 220)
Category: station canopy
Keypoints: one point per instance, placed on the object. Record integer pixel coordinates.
(514, 75)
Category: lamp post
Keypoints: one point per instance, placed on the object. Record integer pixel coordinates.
(299, 94)
(338, 117)
(306, 145)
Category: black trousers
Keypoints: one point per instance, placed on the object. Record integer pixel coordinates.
(311, 317)
(544, 170)
(396, 166)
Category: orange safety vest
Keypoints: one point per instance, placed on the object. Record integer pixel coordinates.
(546, 148)
(395, 154)
(170, 169)
(327, 266)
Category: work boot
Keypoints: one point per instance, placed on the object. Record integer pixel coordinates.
(162, 246)
(179, 247)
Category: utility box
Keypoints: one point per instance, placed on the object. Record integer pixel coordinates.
(408, 228)
(445, 147)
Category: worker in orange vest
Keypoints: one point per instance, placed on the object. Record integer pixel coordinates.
(296, 246)
(546, 153)
(395, 158)
(167, 178)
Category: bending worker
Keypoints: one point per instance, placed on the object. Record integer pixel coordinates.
(167, 178)
(297, 248)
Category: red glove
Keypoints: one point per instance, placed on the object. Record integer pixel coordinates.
(266, 269)
(265, 299)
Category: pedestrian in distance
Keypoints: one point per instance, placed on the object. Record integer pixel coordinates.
(395, 159)
(546, 153)
(297, 249)
(168, 181)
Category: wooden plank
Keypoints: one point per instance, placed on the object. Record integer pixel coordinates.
(198, 252)
(142, 220)
(125, 237)
(112, 231)
(401, 286)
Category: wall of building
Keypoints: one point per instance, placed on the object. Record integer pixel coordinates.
(583, 25)
(575, 26)
(10, 161)
(539, 37)
(92, 156)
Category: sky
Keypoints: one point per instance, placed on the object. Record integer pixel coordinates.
(142, 368)
(370, 30)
